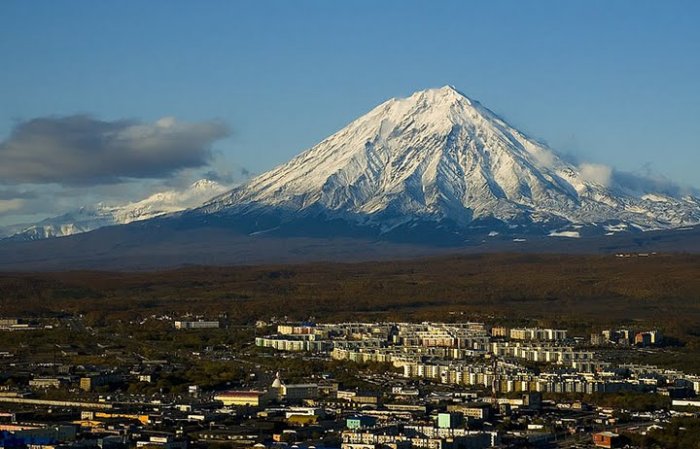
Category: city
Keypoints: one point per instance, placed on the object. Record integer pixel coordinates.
(198, 381)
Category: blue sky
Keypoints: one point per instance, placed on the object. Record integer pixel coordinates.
(612, 82)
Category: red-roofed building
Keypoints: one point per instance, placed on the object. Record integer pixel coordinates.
(606, 439)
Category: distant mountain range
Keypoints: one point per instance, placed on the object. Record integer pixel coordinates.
(89, 218)
(433, 171)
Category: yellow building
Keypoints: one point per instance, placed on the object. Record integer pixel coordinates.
(242, 398)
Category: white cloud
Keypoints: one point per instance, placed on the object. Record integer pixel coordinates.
(10, 205)
(597, 173)
(82, 150)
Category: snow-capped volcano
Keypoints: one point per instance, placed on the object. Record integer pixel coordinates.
(424, 175)
(438, 156)
(93, 217)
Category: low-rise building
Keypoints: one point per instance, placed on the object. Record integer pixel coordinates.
(243, 398)
(200, 324)
(88, 383)
(360, 422)
(46, 382)
(299, 392)
(606, 439)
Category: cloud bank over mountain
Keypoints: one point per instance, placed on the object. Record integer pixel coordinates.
(56, 163)
(82, 150)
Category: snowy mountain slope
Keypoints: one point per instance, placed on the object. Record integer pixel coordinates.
(93, 217)
(439, 157)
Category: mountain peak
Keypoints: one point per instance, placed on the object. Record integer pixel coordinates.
(441, 95)
(203, 184)
(447, 93)
(434, 110)
(449, 90)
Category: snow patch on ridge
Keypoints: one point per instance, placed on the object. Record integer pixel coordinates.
(567, 234)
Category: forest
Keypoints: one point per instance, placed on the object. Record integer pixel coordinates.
(662, 290)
